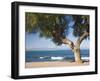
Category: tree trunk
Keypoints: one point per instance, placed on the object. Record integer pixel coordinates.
(77, 55)
(76, 47)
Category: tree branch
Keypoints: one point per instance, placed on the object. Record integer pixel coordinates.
(64, 40)
(68, 42)
(81, 38)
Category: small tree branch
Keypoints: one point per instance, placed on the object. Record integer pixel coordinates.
(81, 38)
(68, 42)
(64, 40)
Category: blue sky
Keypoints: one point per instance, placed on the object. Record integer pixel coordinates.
(33, 41)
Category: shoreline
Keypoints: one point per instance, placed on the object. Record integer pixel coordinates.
(53, 64)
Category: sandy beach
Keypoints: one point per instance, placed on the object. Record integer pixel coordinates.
(53, 64)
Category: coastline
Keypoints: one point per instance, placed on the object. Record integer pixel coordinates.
(53, 64)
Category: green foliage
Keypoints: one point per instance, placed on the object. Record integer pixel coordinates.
(55, 26)
(81, 25)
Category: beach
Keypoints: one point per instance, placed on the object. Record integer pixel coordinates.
(53, 64)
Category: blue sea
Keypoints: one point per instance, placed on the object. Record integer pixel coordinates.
(52, 55)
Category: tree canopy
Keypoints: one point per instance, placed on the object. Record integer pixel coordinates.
(55, 26)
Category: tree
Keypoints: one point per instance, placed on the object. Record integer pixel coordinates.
(55, 27)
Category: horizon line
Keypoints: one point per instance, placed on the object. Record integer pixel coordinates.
(51, 49)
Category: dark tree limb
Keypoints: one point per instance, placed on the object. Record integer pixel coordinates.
(68, 42)
(81, 38)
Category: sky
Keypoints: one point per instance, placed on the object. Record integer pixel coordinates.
(34, 42)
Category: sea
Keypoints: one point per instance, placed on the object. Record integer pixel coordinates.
(53, 55)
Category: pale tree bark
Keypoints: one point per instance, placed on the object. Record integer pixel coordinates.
(76, 47)
(77, 54)
(68, 42)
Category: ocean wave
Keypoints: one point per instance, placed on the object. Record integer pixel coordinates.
(85, 58)
(45, 57)
(61, 58)
(53, 58)
(57, 58)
